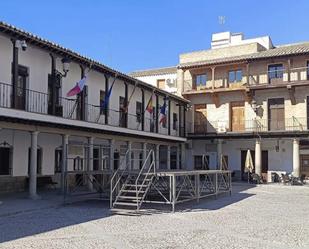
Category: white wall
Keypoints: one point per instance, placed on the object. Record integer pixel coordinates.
(281, 160)
(152, 80)
(38, 61)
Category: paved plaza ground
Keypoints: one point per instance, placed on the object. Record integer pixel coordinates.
(265, 216)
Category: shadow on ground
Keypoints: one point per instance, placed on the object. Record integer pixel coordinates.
(50, 218)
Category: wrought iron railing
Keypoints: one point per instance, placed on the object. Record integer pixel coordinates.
(70, 108)
(254, 125)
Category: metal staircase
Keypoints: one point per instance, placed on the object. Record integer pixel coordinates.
(128, 187)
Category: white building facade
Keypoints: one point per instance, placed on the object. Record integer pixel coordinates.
(38, 122)
(247, 94)
(163, 78)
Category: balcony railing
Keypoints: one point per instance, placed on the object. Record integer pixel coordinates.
(254, 125)
(69, 108)
(281, 76)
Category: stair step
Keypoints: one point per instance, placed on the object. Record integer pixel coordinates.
(138, 185)
(125, 203)
(129, 197)
(132, 191)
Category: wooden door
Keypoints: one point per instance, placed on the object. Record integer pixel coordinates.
(237, 116)
(200, 118)
(276, 114)
(304, 165)
(20, 94)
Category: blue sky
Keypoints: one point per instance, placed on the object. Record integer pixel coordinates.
(135, 34)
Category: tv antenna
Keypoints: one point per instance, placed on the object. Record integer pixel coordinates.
(221, 20)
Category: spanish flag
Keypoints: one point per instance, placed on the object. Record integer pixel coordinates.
(149, 107)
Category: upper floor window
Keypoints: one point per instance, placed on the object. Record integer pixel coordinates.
(275, 71)
(235, 76)
(161, 83)
(102, 99)
(138, 112)
(175, 119)
(200, 80)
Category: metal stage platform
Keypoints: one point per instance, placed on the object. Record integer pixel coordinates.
(171, 187)
(177, 186)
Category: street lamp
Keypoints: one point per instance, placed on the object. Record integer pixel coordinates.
(65, 66)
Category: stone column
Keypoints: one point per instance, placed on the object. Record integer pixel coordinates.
(157, 156)
(64, 163)
(178, 157)
(183, 156)
(131, 164)
(144, 148)
(219, 154)
(258, 157)
(168, 159)
(90, 162)
(296, 164)
(33, 166)
(111, 143)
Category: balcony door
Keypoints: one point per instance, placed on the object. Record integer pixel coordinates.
(276, 114)
(237, 116)
(20, 91)
(275, 73)
(122, 112)
(54, 95)
(200, 118)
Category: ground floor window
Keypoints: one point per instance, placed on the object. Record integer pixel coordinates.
(201, 162)
(58, 160)
(5, 160)
(78, 163)
(96, 158)
(38, 161)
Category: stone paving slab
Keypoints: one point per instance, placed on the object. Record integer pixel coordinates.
(264, 216)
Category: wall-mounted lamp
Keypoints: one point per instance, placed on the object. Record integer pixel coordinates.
(65, 66)
(21, 44)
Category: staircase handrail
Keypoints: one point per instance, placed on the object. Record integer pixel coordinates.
(298, 122)
(150, 168)
(113, 187)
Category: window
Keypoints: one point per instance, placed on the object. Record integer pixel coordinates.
(175, 121)
(235, 76)
(96, 158)
(201, 162)
(275, 71)
(161, 83)
(78, 163)
(200, 80)
(122, 112)
(38, 161)
(138, 112)
(152, 120)
(140, 160)
(5, 159)
(58, 160)
(102, 98)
